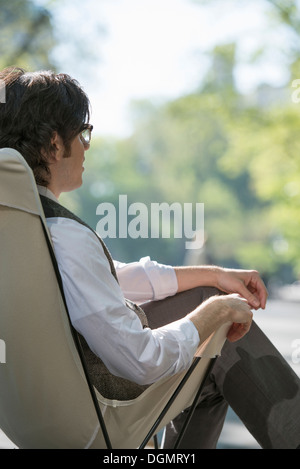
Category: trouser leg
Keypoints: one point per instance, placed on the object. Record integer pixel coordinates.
(261, 388)
(212, 409)
(251, 375)
(259, 385)
(205, 427)
(162, 312)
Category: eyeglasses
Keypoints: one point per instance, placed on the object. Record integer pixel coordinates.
(86, 134)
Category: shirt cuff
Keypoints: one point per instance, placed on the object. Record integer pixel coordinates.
(186, 337)
(162, 278)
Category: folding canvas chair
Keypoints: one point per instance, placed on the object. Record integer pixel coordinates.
(46, 398)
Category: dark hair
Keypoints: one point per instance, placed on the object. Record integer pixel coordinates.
(37, 105)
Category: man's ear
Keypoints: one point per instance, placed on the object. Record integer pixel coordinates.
(58, 148)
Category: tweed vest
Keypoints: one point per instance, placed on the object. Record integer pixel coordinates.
(109, 385)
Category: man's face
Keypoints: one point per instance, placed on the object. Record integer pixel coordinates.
(71, 168)
(66, 171)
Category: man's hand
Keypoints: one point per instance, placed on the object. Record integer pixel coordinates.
(218, 310)
(247, 283)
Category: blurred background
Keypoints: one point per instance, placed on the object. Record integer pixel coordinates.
(193, 101)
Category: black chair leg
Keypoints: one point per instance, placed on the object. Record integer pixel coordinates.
(193, 406)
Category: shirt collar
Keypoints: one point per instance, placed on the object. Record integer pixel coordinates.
(46, 192)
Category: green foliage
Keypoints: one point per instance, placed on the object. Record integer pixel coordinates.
(265, 144)
(26, 35)
(241, 160)
(239, 155)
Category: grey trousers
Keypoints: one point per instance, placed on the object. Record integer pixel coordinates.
(250, 376)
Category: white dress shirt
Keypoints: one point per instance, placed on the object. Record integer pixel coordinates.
(97, 307)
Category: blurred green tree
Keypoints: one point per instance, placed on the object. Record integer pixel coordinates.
(26, 35)
(264, 147)
(235, 153)
(238, 157)
(174, 156)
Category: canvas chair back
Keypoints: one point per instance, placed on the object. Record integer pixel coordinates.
(45, 400)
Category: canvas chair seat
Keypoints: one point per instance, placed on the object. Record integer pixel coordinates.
(45, 397)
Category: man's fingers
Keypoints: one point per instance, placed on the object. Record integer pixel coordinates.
(251, 298)
(237, 331)
(257, 287)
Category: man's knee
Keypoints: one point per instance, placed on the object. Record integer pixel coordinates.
(176, 307)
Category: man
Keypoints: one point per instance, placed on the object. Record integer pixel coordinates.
(46, 118)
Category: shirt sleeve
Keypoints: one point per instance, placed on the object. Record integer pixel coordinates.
(146, 280)
(97, 310)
